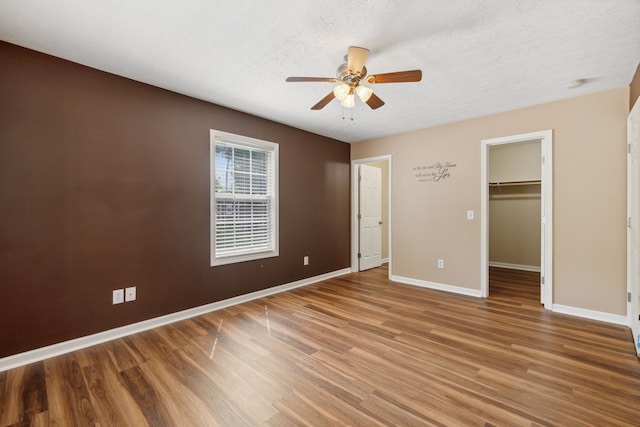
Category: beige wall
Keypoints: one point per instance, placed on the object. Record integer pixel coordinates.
(589, 197)
(515, 162)
(384, 166)
(514, 210)
(514, 225)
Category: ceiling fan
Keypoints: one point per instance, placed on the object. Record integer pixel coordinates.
(352, 74)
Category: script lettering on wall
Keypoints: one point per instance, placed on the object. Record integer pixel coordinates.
(436, 172)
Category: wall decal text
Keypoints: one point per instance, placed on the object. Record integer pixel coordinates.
(436, 172)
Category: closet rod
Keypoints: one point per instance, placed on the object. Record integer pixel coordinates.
(515, 196)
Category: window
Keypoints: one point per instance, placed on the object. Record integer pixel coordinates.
(244, 198)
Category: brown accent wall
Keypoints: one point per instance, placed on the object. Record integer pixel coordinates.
(104, 183)
(634, 91)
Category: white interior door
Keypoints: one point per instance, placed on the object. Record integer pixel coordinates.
(370, 217)
(633, 220)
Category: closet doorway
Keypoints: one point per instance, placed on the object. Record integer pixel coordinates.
(516, 227)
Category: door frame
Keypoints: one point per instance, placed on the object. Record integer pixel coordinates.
(355, 232)
(546, 261)
(633, 229)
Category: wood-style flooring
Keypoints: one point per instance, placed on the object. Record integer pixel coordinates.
(355, 350)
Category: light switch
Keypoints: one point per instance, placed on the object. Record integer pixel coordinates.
(470, 214)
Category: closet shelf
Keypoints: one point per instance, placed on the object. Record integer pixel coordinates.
(512, 183)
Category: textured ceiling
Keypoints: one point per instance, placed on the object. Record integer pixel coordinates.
(477, 57)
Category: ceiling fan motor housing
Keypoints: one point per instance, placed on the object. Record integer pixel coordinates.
(350, 76)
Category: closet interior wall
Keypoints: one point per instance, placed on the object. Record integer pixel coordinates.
(515, 206)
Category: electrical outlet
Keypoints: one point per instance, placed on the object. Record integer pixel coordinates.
(470, 214)
(440, 263)
(305, 260)
(130, 294)
(118, 296)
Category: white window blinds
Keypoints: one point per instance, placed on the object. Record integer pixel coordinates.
(244, 205)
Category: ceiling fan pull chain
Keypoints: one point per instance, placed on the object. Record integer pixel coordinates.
(351, 113)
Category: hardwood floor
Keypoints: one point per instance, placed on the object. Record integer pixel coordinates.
(355, 350)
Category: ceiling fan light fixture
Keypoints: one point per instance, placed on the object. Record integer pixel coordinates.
(341, 91)
(349, 101)
(364, 92)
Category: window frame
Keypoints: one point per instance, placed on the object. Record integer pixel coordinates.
(249, 143)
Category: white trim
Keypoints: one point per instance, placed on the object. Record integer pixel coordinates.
(354, 211)
(546, 141)
(42, 353)
(437, 286)
(591, 314)
(384, 260)
(558, 308)
(248, 143)
(547, 192)
(535, 268)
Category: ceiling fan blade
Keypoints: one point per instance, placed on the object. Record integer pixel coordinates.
(324, 101)
(374, 102)
(356, 58)
(312, 79)
(397, 77)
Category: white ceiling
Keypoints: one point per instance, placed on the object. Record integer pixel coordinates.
(478, 57)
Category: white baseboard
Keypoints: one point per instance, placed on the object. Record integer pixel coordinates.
(591, 314)
(437, 286)
(515, 266)
(53, 350)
